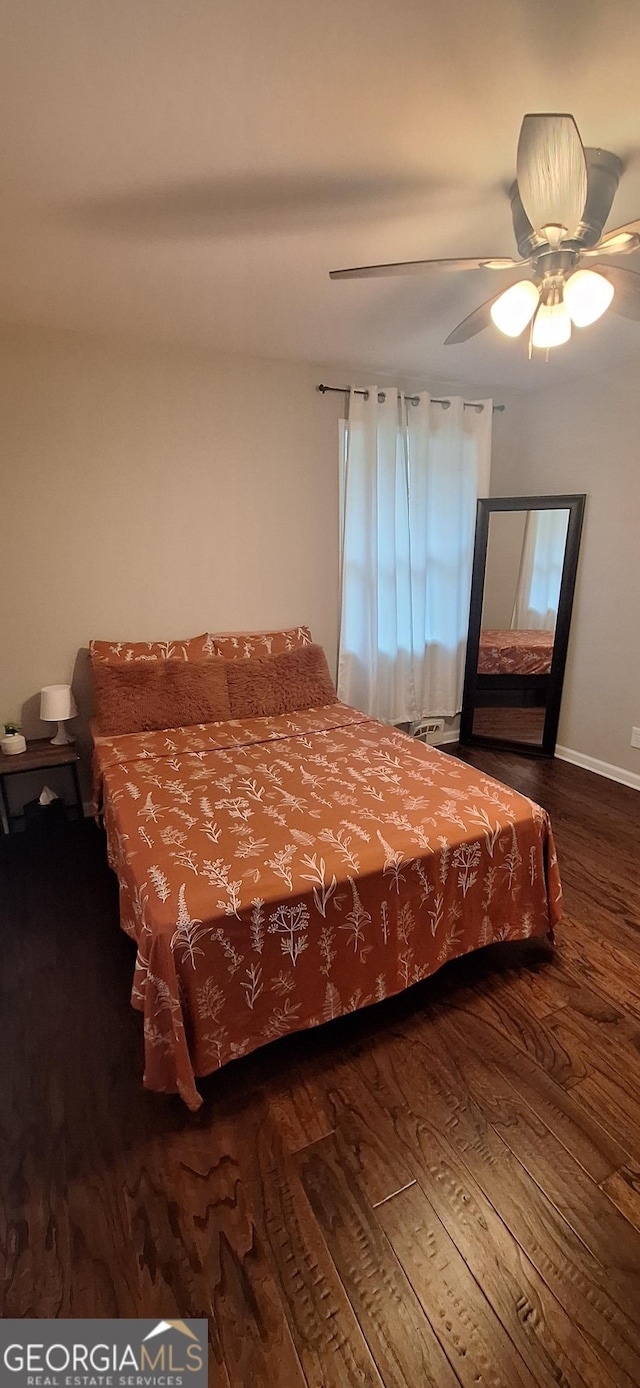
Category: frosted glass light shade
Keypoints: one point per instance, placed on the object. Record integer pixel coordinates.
(515, 308)
(587, 296)
(552, 326)
(57, 703)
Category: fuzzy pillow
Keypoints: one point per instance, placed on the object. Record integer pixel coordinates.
(266, 685)
(140, 697)
(124, 652)
(240, 645)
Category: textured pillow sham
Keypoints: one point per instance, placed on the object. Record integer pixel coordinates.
(241, 645)
(124, 652)
(140, 697)
(264, 686)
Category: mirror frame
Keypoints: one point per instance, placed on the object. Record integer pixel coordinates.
(574, 504)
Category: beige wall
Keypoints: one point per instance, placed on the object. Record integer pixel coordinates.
(149, 492)
(585, 437)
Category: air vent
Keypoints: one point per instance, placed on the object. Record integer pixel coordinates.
(427, 728)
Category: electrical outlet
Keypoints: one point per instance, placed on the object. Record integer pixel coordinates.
(635, 737)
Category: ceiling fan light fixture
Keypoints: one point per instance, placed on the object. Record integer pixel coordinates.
(587, 296)
(560, 203)
(515, 308)
(552, 326)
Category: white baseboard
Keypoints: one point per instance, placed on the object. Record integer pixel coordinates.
(601, 768)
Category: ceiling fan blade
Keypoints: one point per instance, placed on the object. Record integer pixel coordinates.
(476, 322)
(419, 267)
(552, 172)
(626, 283)
(622, 241)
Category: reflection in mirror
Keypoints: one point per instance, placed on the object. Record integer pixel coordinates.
(525, 554)
(514, 724)
(524, 571)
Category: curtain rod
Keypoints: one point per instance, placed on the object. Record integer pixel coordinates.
(413, 399)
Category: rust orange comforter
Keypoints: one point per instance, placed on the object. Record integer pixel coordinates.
(280, 872)
(515, 652)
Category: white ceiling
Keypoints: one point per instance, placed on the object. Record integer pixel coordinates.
(193, 170)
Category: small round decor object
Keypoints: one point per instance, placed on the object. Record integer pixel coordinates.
(12, 744)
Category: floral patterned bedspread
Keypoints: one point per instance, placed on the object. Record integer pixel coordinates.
(279, 872)
(515, 652)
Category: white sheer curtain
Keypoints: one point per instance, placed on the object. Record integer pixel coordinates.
(411, 476)
(538, 592)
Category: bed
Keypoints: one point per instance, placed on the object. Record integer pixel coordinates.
(515, 652)
(513, 669)
(279, 870)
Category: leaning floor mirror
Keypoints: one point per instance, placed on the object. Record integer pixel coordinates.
(524, 573)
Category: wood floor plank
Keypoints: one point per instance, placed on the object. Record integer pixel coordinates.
(37, 1246)
(298, 1109)
(560, 987)
(101, 1238)
(402, 1341)
(586, 1001)
(537, 1323)
(329, 1342)
(586, 982)
(601, 1099)
(171, 1275)
(623, 1187)
(577, 1278)
(558, 1108)
(531, 978)
(212, 1245)
(600, 896)
(566, 1184)
(541, 990)
(358, 1123)
(612, 1036)
(606, 967)
(507, 1014)
(609, 1084)
(473, 1338)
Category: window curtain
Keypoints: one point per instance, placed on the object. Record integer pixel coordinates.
(540, 576)
(411, 475)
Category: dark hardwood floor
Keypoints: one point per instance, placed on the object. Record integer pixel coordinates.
(444, 1190)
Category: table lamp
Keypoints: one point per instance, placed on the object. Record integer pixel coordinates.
(56, 705)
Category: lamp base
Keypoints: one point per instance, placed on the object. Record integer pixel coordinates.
(62, 737)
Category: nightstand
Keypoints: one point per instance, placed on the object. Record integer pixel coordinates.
(40, 755)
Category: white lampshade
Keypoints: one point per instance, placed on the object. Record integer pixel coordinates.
(587, 296)
(57, 703)
(515, 308)
(552, 326)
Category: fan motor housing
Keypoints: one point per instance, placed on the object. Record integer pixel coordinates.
(551, 268)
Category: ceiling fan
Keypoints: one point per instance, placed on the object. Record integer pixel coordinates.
(560, 202)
